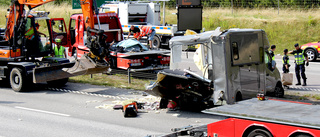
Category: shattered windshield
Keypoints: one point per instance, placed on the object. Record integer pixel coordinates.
(131, 45)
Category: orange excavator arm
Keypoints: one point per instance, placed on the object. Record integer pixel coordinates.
(16, 13)
(96, 39)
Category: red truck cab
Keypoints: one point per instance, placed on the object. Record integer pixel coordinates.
(74, 38)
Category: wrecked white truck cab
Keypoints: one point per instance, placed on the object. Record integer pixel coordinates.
(235, 62)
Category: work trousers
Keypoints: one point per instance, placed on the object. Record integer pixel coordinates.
(298, 69)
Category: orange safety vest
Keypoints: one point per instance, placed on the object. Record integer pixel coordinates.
(145, 30)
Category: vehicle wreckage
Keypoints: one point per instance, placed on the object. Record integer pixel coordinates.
(235, 65)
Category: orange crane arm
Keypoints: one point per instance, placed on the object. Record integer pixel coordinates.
(88, 9)
(34, 3)
(16, 12)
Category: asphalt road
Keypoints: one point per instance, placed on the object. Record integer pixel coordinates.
(85, 110)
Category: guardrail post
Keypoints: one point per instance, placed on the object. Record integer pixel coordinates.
(129, 76)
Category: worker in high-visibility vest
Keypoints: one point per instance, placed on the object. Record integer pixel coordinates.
(301, 59)
(150, 32)
(271, 52)
(59, 51)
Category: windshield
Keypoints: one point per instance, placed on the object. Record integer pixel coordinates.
(132, 45)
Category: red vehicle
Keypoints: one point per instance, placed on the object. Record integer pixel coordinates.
(254, 118)
(121, 55)
(312, 49)
(131, 54)
(76, 36)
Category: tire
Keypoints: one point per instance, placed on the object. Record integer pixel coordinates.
(163, 103)
(279, 91)
(75, 53)
(58, 83)
(238, 97)
(156, 42)
(312, 55)
(259, 133)
(18, 80)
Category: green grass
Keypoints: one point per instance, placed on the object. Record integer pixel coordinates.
(118, 81)
(283, 30)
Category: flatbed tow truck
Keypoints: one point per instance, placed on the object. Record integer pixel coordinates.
(255, 118)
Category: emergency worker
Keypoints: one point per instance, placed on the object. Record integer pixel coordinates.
(135, 31)
(59, 51)
(271, 52)
(285, 61)
(145, 30)
(300, 58)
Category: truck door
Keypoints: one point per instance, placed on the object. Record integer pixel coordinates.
(246, 57)
(59, 30)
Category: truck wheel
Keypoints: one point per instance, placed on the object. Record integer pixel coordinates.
(279, 91)
(58, 83)
(260, 133)
(18, 80)
(311, 54)
(163, 103)
(156, 43)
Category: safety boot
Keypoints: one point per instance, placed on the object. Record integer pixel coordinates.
(299, 83)
(304, 82)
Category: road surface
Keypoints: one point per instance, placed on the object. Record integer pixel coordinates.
(84, 110)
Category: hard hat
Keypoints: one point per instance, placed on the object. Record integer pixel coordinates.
(58, 40)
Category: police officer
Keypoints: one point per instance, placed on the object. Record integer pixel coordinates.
(271, 52)
(300, 57)
(59, 51)
(285, 61)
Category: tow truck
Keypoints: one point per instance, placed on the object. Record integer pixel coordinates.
(24, 50)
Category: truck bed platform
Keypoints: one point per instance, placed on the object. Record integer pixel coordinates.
(272, 110)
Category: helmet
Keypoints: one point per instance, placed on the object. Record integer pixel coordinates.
(58, 40)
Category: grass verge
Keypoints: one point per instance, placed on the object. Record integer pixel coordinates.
(117, 80)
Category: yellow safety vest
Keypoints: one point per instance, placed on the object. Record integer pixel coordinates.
(59, 53)
(299, 58)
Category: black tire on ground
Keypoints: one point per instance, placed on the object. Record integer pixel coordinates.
(18, 80)
(238, 96)
(75, 53)
(312, 55)
(58, 83)
(259, 133)
(163, 103)
(279, 91)
(156, 42)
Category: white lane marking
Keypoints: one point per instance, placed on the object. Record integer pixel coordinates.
(42, 111)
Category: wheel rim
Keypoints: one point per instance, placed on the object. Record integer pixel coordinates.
(155, 42)
(16, 79)
(310, 54)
